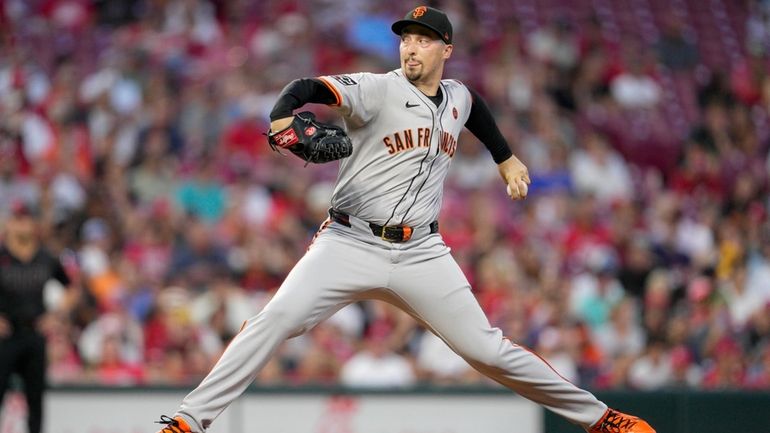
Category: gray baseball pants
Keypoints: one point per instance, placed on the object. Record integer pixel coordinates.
(348, 264)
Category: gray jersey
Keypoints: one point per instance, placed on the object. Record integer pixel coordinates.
(399, 162)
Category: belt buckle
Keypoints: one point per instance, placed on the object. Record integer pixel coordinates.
(396, 233)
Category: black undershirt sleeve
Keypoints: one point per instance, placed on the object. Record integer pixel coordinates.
(298, 93)
(482, 124)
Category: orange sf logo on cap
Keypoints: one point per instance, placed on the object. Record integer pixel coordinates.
(419, 11)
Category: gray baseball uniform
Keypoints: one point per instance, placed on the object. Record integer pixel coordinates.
(403, 146)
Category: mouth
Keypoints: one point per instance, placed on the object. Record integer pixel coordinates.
(412, 63)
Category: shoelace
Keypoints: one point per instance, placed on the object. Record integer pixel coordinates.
(614, 422)
(172, 425)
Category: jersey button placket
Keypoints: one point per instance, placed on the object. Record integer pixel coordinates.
(434, 139)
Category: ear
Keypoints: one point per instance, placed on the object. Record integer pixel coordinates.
(447, 51)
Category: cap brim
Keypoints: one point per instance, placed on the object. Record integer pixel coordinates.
(398, 27)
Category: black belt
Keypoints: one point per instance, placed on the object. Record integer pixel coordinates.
(387, 233)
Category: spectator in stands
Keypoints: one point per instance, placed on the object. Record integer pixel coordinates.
(636, 268)
(726, 367)
(634, 87)
(716, 90)
(437, 363)
(658, 299)
(102, 279)
(64, 363)
(758, 374)
(586, 238)
(684, 372)
(153, 179)
(325, 354)
(203, 195)
(223, 303)
(595, 294)
(377, 364)
(555, 44)
(652, 370)
(170, 330)
(742, 302)
(698, 172)
(675, 47)
(196, 256)
(747, 77)
(113, 369)
(622, 336)
(694, 237)
(758, 333)
(598, 170)
(194, 20)
(113, 345)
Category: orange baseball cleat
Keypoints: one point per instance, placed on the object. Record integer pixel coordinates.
(618, 422)
(173, 425)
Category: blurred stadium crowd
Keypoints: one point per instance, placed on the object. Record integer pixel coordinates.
(641, 258)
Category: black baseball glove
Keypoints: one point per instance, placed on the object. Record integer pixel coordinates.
(312, 141)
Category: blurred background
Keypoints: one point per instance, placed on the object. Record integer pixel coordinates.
(640, 260)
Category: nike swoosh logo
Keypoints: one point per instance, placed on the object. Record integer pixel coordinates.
(408, 105)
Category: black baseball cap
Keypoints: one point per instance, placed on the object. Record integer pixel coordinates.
(429, 17)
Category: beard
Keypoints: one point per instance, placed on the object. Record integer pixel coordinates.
(412, 74)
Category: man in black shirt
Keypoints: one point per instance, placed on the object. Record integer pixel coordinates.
(25, 268)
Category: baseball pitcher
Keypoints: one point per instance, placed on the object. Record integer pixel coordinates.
(382, 238)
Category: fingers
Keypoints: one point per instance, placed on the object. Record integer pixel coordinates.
(523, 187)
(519, 188)
(281, 124)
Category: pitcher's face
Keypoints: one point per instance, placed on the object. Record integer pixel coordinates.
(423, 53)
